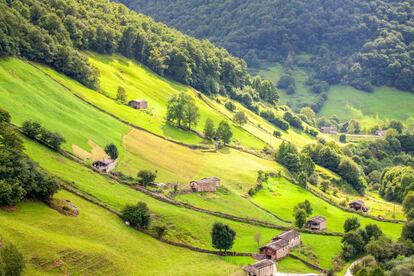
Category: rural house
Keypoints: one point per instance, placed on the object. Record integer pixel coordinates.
(138, 104)
(358, 205)
(381, 133)
(262, 268)
(329, 130)
(208, 184)
(106, 165)
(292, 237)
(275, 250)
(316, 223)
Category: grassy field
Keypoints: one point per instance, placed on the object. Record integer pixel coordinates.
(96, 243)
(281, 190)
(383, 104)
(183, 225)
(27, 93)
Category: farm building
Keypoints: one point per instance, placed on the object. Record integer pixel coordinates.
(138, 104)
(381, 133)
(275, 250)
(261, 268)
(208, 184)
(329, 130)
(291, 236)
(358, 205)
(106, 165)
(316, 223)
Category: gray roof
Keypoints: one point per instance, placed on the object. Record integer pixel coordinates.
(317, 219)
(107, 161)
(139, 101)
(358, 201)
(259, 265)
(277, 244)
(206, 180)
(288, 235)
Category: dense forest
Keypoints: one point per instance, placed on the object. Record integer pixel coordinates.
(55, 32)
(361, 43)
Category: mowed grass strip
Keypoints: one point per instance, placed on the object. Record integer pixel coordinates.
(97, 243)
(183, 225)
(29, 94)
(280, 196)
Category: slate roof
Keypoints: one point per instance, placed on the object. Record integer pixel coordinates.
(317, 219)
(288, 235)
(206, 180)
(259, 265)
(277, 244)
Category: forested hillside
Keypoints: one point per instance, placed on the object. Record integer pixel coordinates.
(362, 43)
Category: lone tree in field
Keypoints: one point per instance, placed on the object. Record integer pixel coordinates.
(182, 111)
(138, 215)
(300, 217)
(351, 224)
(146, 177)
(240, 118)
(112, 151)
(121, 95)
(209, 131)
(222, 236)
(224, 132)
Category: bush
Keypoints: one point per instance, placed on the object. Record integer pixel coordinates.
(351, 224)
(230, 106)
(342, 138)
(146, 177)
(11, 260)
(35, 131)
(4, 116)
(278, 122)
(138, 215)
(285, 81)
(112, 151)
(222, 236)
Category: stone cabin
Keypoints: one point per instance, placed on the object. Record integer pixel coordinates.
(106, 165)
(262, 268)
(275, 250)
(329, 130)
(292, 237)
(138, 104)
(208, 184)
(381, 133)
(358, 205)
(316, 223)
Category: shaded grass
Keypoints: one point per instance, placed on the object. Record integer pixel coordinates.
(280, 197)
(96, 243)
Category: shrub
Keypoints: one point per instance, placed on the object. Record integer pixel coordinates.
(209, 131)
(112, 151)
(138, 215)
(230, 106)
(12, 259)
(146, 177)
(351, 224)
(342, 138)
(4, 116)
(285, 81)
(222, 236)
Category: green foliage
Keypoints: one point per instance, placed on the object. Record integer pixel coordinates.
(408, 231)
(182, 110)
(160, 231)
(224, 132)
(396, 182)
(305, 206)
(300, 217)
(266, 89)
(408, 205)
(352, 245)
(293, 120)
(209, 131)
(19, 176)
(367, 44)
(121, 95)
(138, 215)
(272, 118)
(285, 82)
(36, 131)
(4, 116)
(288, 156)
(230, 106)
(351, 224)
(112, 151)
(222, 236)
(397, 125)
(11, 260)
(342, 138)
(146, 177)
(240, 118)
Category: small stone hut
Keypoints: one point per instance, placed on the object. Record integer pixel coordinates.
(316, 223)
(261, 268)
(138, 104)
(208, 184)
(358, 205)
(275, 250)
(329, 130)
(106, 165)
(292, 237)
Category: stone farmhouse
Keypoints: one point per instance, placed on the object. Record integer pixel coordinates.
(381, 133)
(138, 104)
(208, 184)
(292, 237)
(261, 268)
(329, 130)
(105, 165)
(275, 250)
(317, 223)
(358, 205)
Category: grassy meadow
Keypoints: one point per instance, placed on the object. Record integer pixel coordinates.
(183, 225)
(96, 243)
(280, 190)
